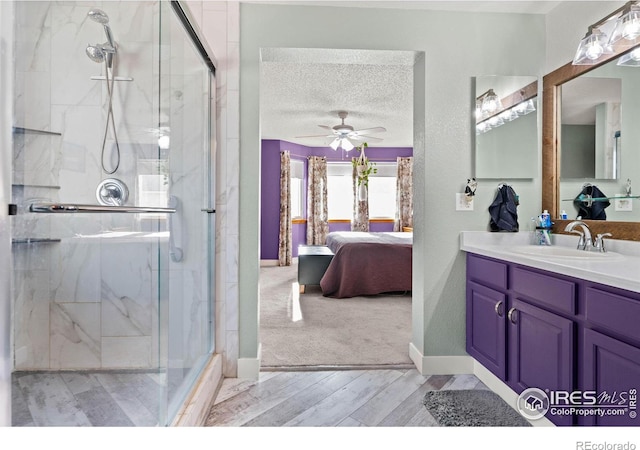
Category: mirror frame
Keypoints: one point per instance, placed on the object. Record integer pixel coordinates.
(551, 155)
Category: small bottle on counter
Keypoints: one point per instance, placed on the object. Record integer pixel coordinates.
(545, 219)
(543, 229)
(563, 215)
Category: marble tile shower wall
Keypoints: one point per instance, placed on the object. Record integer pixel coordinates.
(89, 302)
(219, 22)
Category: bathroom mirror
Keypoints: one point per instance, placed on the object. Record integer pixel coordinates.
(558, 192)
(505, 127)
(590, 130)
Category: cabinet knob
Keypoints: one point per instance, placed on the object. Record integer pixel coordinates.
(498, 308)
(511, 315)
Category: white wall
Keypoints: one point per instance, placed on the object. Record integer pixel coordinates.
(483, 44)
(567, 24)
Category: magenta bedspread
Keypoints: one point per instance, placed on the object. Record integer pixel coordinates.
(367, 264)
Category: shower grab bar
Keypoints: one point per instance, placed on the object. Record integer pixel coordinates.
(74, 208)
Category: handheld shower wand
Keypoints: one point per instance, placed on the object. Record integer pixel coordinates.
(106, 53)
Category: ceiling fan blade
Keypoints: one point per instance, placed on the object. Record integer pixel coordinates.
(315, 136)
(370, 130)
(369, 138)
(326, 127)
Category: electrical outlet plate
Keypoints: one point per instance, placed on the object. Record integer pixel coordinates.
(463, 203)
(623, 204)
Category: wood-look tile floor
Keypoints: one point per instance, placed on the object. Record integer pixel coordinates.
(369, 398)
(86, 399)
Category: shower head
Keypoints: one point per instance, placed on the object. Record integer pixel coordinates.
(99, 16)
(95, 53)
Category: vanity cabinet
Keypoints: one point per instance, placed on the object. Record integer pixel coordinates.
(486, 330)
(611, 368)
(533, 328)
(541, 349)
(519, 342)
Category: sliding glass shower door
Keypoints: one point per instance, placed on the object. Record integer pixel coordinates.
(112, 237)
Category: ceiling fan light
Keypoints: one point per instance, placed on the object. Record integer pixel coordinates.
(335, 144)
(592, 48)
(347, 145)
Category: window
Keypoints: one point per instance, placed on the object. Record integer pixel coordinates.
(297, 188)
(153, 185)
(382, 190)
(340, 190)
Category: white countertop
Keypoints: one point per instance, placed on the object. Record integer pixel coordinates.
(619, 269)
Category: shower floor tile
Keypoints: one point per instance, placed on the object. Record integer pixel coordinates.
(85, 398)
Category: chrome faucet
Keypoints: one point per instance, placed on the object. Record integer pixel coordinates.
(585, 242)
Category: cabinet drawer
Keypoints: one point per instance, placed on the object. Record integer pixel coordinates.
(486, 271)
(615, 312)
(554, 293)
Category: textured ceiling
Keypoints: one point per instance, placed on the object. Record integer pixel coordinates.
(303, 88)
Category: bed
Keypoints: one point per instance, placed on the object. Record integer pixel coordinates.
(367, 264)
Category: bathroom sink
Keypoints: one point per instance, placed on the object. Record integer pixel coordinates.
(556, 252)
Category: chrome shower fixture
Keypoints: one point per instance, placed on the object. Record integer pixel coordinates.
(95, 53)
(99, 52)
(99, 16)
(106, 53)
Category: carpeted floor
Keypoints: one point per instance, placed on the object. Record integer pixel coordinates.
(472, 408)
(311, 330)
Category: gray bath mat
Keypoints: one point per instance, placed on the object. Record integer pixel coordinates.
(471, 408)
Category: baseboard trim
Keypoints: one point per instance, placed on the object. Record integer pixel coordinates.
(505, 392)
(440, 365)
(250, 367)
(330, 367)
(268, 262)
(274, 262)
(195, 410)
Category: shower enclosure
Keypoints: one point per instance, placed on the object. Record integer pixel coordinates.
(112, 239)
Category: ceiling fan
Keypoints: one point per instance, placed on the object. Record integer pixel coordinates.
(345, 136)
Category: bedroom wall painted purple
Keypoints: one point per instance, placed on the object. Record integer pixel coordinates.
(270, 189)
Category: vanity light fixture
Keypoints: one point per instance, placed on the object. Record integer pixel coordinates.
(618, 31)
(490, 102)
(592, 48)
(627, 29)
(630, 59)
(514, 105)
(524, 107)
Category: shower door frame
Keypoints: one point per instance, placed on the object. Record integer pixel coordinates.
(6, 166)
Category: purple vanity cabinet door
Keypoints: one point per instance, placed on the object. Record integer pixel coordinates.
(611, 366)
(486, 327)
(541, 351)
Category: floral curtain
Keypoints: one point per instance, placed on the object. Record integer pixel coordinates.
(404, 194)
(285, 238)
(317, 215)
(360, 220)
